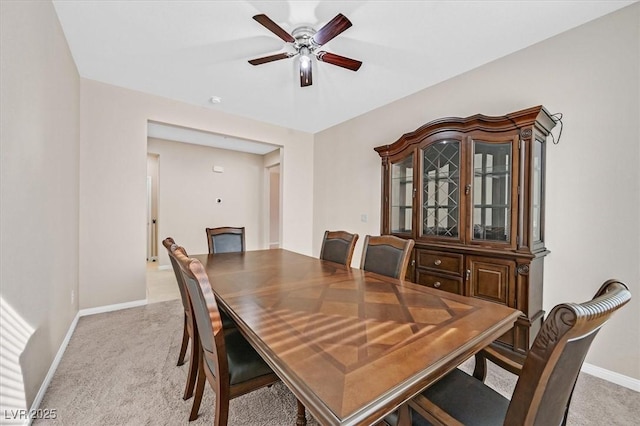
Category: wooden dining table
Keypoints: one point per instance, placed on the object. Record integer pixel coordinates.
(351, 345)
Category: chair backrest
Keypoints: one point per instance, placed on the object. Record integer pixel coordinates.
(207, 317)
(171, 247)
(386, 255)
(225, 239)
(551, 368)
(338, 246)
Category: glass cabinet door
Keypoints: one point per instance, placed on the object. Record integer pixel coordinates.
(441, 189)
(537, 191)
(402, 196)
(492, 164)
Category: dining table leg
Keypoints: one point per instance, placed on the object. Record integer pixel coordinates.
(301, 420)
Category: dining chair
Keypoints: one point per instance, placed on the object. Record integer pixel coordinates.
(338, 246)
(546, 380)
(386, 255)
(226, 360)
(189, 331)
(225, 239)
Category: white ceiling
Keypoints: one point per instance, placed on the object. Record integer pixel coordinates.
(193, 50)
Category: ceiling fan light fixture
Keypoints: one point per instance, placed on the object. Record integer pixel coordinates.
(305, 58)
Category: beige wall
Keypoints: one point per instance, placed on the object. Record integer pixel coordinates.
(591, 74)
(188, 190)
(39, 127)
(113, 149)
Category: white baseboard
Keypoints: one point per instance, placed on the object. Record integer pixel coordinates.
(63, 346)
(54, 366)
(612, 376)
(109, 308)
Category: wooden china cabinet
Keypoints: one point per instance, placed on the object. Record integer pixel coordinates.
(470, 192)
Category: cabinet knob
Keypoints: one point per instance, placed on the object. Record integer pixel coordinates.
(437, 262)
(437, 284)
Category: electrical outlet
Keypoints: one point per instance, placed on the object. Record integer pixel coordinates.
(363, 218)
(73, 296)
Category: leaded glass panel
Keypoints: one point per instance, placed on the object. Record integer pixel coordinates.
(441, 189)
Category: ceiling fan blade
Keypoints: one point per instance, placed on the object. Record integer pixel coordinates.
(305, 75)
(331, 29)
(341, 61)
(274, 28)
(271, 58)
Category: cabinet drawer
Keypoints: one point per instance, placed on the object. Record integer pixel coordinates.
(439, 261)
(441, 282)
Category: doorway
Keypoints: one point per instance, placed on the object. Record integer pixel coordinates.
(152, 207)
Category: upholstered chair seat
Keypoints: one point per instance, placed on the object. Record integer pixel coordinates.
(244, 363)
(466, 399)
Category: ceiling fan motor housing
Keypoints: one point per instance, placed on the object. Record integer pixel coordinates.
(304, 38)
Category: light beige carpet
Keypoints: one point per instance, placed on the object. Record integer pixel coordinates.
(120, 369)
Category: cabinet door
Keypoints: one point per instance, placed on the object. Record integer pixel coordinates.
(401, 196)
(440, 181)
(491, 279)
(494, 193)
(537, 194)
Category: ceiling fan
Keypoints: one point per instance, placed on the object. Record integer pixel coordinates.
(306, 41)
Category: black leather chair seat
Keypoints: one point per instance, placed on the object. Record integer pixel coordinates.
(244, 362)
(467, 399)
(463, 397)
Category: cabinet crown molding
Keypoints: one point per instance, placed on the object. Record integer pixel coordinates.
(535, 116)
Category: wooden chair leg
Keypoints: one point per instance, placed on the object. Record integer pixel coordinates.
(480, 369)
(193, 369)
(221, 415)
(301, 419)
(199, 390)
(404, 415)
(185, 343)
